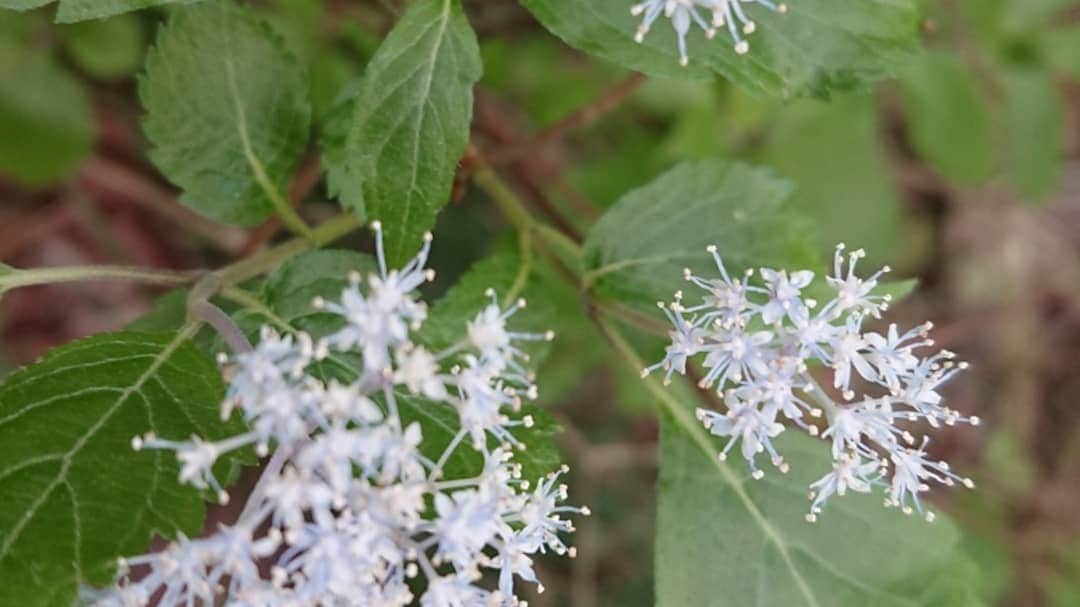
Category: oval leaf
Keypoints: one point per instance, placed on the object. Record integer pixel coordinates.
(245, 128)
(948, 119)
(637, 251)
(393, 153)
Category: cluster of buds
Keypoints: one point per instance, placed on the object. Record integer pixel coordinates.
(757, 342)
(709, 15)
(349, 510)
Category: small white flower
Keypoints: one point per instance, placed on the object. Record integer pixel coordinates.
(684, 14)
(765, 373)
(419, 372)
(849, 472)
(349, 507)
(785, 295)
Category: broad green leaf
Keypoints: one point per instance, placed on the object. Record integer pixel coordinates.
(46, 124)
(108, 48)
(947, 117)
(82, 10)
(392, 156)
(818, 47)
(637, 251)
(724, 538)
(227, 110)
(1034, 120)
(66, 425)
(832, 150)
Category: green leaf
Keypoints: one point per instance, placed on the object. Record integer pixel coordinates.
(46, 123)
(393, 156)
(66, 425)
(109, 48)
(227, 110)
(726, 539)
(81, 10)
(818, 47)
(510, 278)
(948, 120)
(832, 150)
(637, 251)
(1034, 120)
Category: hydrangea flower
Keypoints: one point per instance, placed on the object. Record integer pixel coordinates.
(707, 15)
(349, 509)
(757, 343)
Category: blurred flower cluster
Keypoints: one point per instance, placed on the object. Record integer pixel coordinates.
(349, 510)
(709, 15)
(757, 343)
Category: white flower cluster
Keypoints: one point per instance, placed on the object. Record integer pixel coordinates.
(718, 14)
(348, 510)
(757, 343)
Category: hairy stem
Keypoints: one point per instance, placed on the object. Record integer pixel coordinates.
(40, 276)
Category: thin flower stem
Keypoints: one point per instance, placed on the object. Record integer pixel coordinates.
(222, 323)
(514, 210)
(249, 301)
(820, 396)
(40, 276)
(272, 469)
(507, 201)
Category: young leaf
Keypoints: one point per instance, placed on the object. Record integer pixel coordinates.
(82, 10)
(721, 533)
(76, 496)
(817, 47)
(227, 110)
(947, 117)
(1034, 123)
(46, 126)
(393, 158)
(637, 251)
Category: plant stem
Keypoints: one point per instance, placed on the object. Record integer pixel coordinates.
(40, 276)
(324, 234)
(507, 201)
(236, 273)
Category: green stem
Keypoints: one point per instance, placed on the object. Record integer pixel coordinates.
(559, 240)
(40, 276)
(322, 235)
(249, 301)
(525, 267)
(505, 198)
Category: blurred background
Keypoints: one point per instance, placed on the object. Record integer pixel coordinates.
(963, 173)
